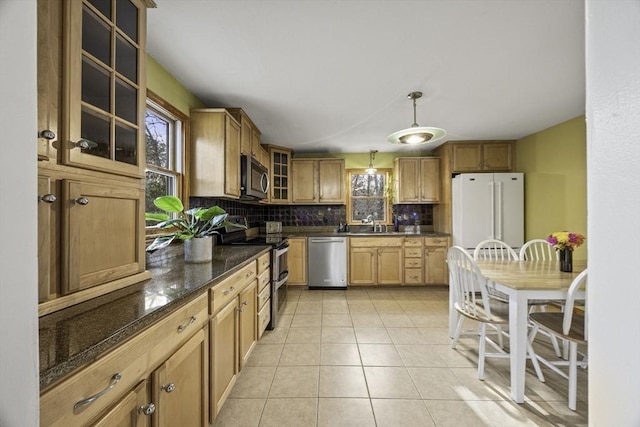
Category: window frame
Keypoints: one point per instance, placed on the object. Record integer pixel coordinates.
(179, 159)
(388, 172)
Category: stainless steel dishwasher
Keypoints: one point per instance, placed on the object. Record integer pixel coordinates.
(327, 262)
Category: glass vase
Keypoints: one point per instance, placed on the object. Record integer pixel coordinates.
(566, 260)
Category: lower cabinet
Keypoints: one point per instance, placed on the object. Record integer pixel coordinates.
(375, 260)
(435, 260)
(297, 261)
(233, 331)
(413, 263)
(156, 378)
(181, 386)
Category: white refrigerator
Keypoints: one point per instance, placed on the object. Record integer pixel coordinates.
(488, 206)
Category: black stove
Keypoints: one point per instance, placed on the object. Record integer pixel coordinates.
(240, 238)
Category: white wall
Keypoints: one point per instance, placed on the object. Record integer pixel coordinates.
(613, 193)
(18, 219)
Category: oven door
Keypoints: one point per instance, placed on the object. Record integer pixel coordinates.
(280, 275)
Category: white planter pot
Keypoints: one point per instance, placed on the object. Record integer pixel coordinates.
(198, 249)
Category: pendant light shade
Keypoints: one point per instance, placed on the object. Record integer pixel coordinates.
(371, 170)
(416, 134)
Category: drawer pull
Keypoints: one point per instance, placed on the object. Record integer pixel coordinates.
(228, 290)
(168, 387)
(79, 406)
(183, 327)
(147, 409)
(249, 274)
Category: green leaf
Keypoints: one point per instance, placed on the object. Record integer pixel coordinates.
(160, 242)
(169, 204)
(149, 216)
(211, 212)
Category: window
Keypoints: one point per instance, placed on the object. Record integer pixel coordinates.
(368, 195)
(164, 142)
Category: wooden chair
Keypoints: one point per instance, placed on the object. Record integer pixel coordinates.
(568, 326)
(471, 300)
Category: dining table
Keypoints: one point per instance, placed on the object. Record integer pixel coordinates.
(523, 281)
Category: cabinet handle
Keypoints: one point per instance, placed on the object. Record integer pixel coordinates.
(82, 144)
(147, 409)
(228, 290)
(81, 201)
(48, 198)
(47, 134)
(168, 387)
(79, 406)
(249, 274)
(183, 327)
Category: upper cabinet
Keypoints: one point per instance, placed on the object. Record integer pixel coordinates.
(280, 174)
(417, 180)
(485, 156)
(103, 75)
(318, 181)
(250, 137)
(215, 153)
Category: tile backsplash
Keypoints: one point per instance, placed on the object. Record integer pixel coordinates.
(307, 215)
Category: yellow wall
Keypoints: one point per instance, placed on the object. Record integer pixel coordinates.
(361, 160)
(554, 161)
(163, 84)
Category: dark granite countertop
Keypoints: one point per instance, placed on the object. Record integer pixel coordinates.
(334, 233)
(77, 335)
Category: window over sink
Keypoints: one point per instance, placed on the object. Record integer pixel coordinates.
(368, 195)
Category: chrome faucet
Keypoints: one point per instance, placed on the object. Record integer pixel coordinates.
(370, 219)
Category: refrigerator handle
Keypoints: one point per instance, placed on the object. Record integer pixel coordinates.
(498, 209)
(492, 190)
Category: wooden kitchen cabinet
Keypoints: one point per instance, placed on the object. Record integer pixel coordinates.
(250, 137)
(105, 94)
(417, 179)
(280, 162)
(483, 156)
(375, 260)
(215, 153)
(134, 410)
(102, 227)
(413, 264)
(318, 181)
(166, 346)
(90, 147)
(181, 386)
(233, 329)
(435, 260)
(297, 261)
(247, 307)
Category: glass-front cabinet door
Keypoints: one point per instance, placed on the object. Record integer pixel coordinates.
(104, 85)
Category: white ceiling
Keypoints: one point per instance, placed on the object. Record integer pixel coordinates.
(333, 76)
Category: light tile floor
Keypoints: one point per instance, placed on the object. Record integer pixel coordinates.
(382, 357)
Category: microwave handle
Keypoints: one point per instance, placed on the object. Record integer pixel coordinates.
(264, 183)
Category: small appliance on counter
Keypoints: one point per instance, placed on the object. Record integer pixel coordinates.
(272, 227)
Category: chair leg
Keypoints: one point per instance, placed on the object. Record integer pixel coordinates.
(534, 360)
(456, 334)
(481, 351)
(573, 374)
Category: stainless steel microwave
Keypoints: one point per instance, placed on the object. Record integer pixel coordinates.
(254, 179)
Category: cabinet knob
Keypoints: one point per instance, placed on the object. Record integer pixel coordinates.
(47, 134)
(48, 198)
(147, 409)
(168, 387)
(82, 144)
(81, 201)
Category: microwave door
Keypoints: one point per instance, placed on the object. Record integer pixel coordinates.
(264, 183)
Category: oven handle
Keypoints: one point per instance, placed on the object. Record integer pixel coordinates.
(282, 250)
(282, 281)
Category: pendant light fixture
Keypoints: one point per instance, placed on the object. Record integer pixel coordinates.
(416, 134)
(371, 170)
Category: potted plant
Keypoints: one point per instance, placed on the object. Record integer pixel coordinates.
(195, 227)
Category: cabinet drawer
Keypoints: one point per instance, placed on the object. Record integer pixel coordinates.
(413, 252)
(413, 241)
(132, 361)
(435, 241)
(413, 275)
(264, 316)
(264, 296)
(413, 263)
(263, 279)
(375, 241)
(230, 287)
(264, 262)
